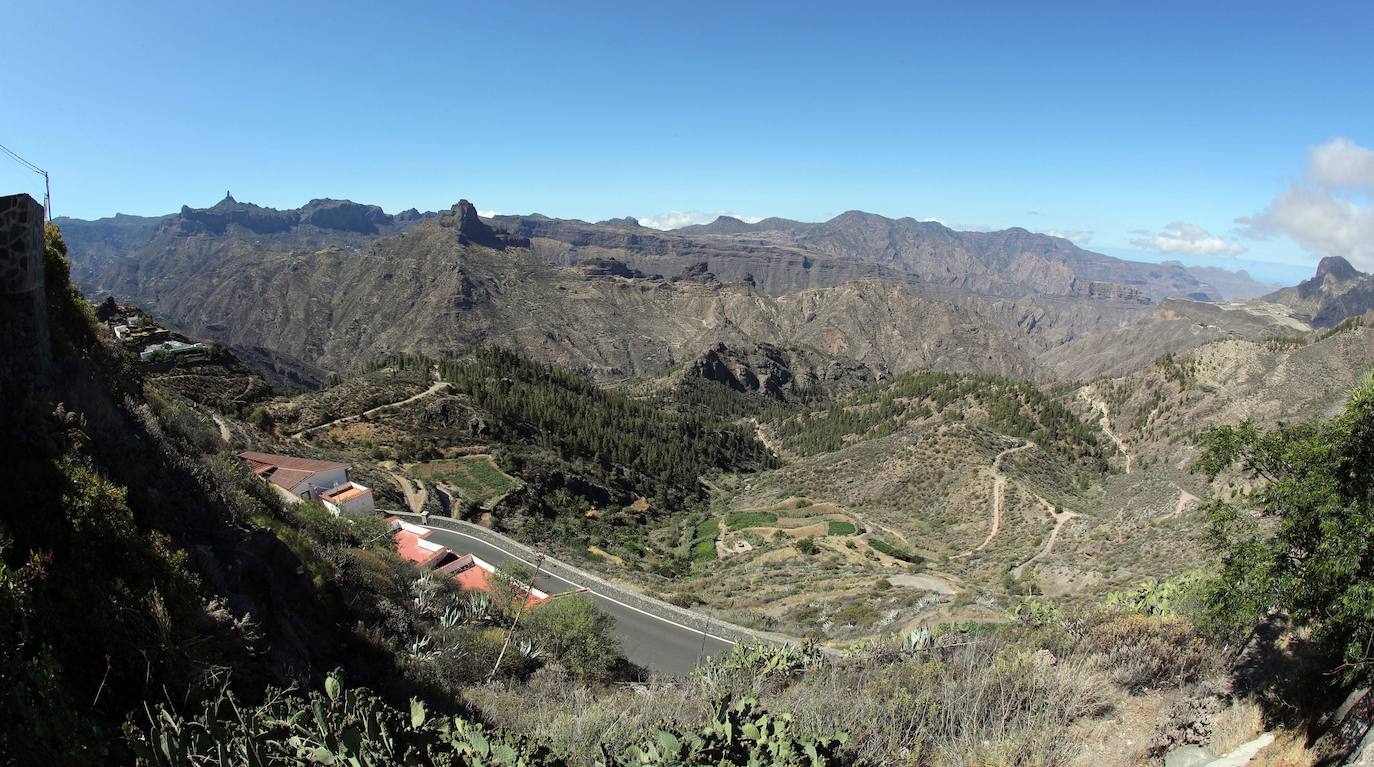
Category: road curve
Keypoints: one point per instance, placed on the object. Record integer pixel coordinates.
(664, 639)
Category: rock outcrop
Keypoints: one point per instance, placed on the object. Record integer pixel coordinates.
(1337, 292)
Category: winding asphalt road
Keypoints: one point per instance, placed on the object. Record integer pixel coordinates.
(652, 641)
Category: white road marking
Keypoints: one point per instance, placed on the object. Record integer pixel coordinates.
(606, 597)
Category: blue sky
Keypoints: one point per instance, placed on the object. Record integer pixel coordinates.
(1113, 119)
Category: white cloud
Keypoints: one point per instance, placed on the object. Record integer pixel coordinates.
(1080, 236)
(1188, 239)
(1341, 163)
(676, 219)
(1320, 212)
(487, 213)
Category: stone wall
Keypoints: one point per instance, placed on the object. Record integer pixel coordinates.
(25, 351)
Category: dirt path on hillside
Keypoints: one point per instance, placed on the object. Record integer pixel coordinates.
(773, 445)
(1101, 406)
(1060, 519)
(415, 499)
(1184, 498)
(432, 390)
(224, 433)
(999, 494)
(247, 387)
(863, 522)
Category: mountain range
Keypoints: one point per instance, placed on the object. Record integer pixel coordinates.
(335, 283)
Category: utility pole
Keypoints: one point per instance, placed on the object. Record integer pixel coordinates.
(47, 182)
(538, 563)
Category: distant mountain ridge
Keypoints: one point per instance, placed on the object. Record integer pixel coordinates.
(1337, 292)
(452, 282)
(335, 283)
(1235, 285)
(1008, 263)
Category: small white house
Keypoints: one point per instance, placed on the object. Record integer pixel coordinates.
(349, 498)
(171, 347)
(303, 478)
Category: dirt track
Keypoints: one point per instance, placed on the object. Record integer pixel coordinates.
(433, 389)
(999, 494)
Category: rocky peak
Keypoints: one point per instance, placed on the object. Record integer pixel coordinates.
(698, 272)
(473, 230)
(1336, 268)
(470, 226)
(344, 215)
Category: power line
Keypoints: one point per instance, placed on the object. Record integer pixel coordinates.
(47, 182)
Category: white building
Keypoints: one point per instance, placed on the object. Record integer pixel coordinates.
(349, 498)
(305, 479)
(171, 347)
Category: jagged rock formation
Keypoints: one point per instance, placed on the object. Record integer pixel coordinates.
(776, 372)
(1335, 293)
(473, 231)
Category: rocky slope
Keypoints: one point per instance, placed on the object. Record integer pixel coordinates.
(451, 283)
(1174, 326)
(335, 283)
(1335, 293)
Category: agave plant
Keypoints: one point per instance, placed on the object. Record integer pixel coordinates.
(423, 589)
(478, 608)
(918, 640)
(529, 649)
(453, 615)
(419, 649)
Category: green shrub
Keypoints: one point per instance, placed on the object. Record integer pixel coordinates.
(896, 552)
(1298, 541)
(576, 634)
(807, 546)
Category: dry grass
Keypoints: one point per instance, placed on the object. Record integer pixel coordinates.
(1141, 653)
(975, 703)
(1287, 750)
(1239, 723)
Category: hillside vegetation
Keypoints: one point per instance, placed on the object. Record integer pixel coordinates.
(1014, 408)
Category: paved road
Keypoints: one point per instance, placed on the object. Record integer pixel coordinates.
(651, 641)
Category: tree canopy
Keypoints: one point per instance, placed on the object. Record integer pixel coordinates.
(1299, 538)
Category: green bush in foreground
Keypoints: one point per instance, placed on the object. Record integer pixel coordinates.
(1315, 482)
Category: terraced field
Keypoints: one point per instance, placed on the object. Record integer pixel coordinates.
(476, 477)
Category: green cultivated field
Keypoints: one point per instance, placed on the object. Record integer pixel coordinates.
(475, 476)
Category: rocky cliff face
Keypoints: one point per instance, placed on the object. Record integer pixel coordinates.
(1335, 293)
(436, 289)
(327, 278)
(777, 372)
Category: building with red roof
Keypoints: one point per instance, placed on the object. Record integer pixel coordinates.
(305, 479)
(472, 572)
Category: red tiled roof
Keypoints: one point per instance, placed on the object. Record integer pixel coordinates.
(286, 471)
(290, 462)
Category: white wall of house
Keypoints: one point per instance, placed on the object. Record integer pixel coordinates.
(360, 505)
(311, 488)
